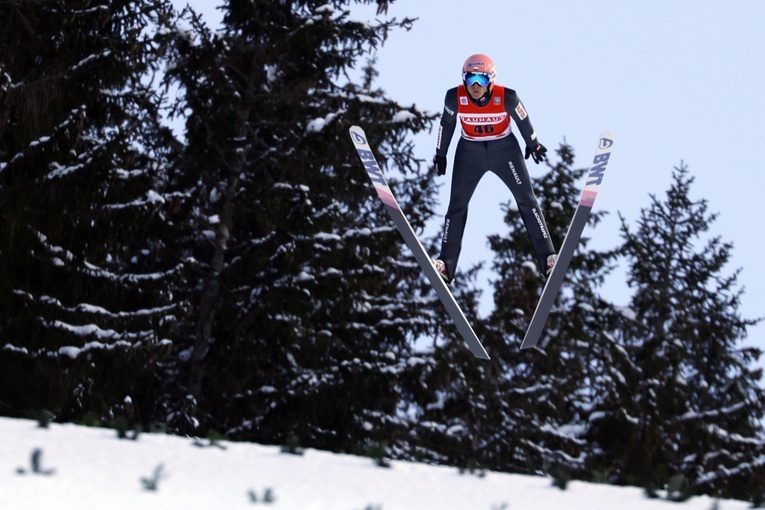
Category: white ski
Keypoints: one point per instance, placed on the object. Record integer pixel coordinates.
(570, 242)
(402, 224)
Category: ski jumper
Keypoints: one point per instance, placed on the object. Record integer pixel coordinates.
(488, 144)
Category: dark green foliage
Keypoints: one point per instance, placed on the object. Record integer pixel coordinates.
(561, 477)
(471, 467)
(213, 440)
(250, 285)
(36, 465)
(519, 411)
(247, 279)
(650, 491)
(151, 483)
(377, 453)
(43, 417)
(292, 446)
(678, 489)
(758, 497)
(124, 430)
(541, 392)
(680, 395)
(83, 262)
(268, 496)
(302, 307)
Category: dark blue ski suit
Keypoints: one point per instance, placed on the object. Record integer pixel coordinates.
(488, 144)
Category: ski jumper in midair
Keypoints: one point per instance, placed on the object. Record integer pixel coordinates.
(485, 113)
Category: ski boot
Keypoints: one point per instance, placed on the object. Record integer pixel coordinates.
(440, 266)
(551, 259)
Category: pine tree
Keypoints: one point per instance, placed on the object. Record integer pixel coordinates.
(304, 307)
(82, 255)
(547, 388)
(685, 398)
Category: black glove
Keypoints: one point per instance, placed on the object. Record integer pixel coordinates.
(538, 154)
(440, 163)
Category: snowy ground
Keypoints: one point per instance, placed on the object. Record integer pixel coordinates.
(88, 468)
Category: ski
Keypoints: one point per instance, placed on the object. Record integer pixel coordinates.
(359, 139)
(570, 242)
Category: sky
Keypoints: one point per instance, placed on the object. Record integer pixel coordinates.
(676, 80)
(90, 469)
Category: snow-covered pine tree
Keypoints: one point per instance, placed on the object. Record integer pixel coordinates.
(83, 265)
(544, 390)
(445, 402)
(684, 396)
(304, 308)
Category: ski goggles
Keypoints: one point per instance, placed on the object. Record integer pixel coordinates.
(482, 79)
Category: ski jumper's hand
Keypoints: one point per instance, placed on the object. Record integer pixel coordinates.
(538, 154)
(440, 163)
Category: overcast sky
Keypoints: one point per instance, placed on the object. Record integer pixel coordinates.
(676, 80)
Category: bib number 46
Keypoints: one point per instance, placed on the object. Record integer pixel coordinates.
(483, 129)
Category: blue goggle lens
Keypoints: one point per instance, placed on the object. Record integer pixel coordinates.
(482, 79)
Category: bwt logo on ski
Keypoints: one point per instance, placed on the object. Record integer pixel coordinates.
(358, 138)
(368, 158)
(599, 163)
(598, 168)
(605, 143)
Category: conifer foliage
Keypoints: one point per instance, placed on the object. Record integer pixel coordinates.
(682, 397)
(520, 410)
(302, 307)
(543, 390)
(84, 271)
(244, 279)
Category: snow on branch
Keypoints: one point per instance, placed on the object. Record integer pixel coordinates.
(722, 472)
(152, 199)
(72, 352)
(317, 125)
(716, 413)
(57, 251)
(97, 338)
(87, 60)
(94, 270)
(87, 330)
(86, 308)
